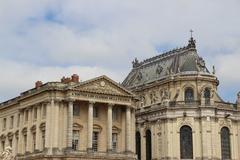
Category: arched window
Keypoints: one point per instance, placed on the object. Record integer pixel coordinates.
(148, 145)
(207, 95)
(225, 143)
(138, 145)
(189, 95)
(186, 146)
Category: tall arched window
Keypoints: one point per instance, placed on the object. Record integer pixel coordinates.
(186, 145)
(207, 95)
(225, 143)
(148, 145)
(138, 145)
(189, 95)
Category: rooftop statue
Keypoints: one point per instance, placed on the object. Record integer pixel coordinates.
(7, 154)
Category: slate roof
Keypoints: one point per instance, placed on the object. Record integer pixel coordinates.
(178, 60)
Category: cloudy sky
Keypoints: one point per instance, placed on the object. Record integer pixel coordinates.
(47, 39)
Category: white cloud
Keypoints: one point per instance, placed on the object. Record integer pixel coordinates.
(18, 77)
(109, 34)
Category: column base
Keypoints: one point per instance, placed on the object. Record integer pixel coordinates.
(129, 152)
(89, 150)
(109, 151)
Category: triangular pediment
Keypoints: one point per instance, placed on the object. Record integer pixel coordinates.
(103, 85)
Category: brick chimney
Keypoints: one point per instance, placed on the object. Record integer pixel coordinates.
(75, 78)
(38, 84)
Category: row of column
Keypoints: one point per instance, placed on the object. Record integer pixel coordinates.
(90, 126)
(28, 147)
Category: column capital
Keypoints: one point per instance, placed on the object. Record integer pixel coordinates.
(91, 102)
(111, 104)
(70, 100)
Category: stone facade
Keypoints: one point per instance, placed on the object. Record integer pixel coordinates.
(94, 119)
(179, 113)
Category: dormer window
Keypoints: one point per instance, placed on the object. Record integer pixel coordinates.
(189, 95)
(207, 95)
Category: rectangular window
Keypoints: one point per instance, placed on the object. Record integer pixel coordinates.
(75, 140)
(34, 141)
(95, 112)
(10, 143)
(26, 116)
(115, 114)
(18, 120)
(11, 122)
(25, 142)
(44, 111)
(35, 113)
(3, 145)
(43, 139)
(16, 149)
(4, 123)
(76, 110)
(95, 141)
(114, 142)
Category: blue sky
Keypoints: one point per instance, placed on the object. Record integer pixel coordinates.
(47, 39)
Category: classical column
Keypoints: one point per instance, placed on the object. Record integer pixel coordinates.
(128, 129)
(29, 132)
(38, 135)
(90, 125)
(109, 127)
(48, 144)
(55, 125)
(20, 138)
(70, 124)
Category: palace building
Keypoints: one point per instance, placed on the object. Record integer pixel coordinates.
(180, 114)
(167, 108)
(94, 119)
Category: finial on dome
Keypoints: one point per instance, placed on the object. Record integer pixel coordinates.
(191, 42)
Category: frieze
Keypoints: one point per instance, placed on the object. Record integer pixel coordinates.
(101, 96)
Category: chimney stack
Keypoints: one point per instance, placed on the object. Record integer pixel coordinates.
(75, 78)
(38, 84)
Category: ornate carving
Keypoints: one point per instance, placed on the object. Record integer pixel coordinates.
(159, 69)
(139, 76)
(101, 86)
(135, 63)
(7, 154)
(226, 123)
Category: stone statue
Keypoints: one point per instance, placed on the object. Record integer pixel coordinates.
(7, 154)
(214, 70)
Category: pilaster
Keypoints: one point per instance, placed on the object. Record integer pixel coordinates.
(48, 132)
(70, 124)
(128, 129)
(38, 134)
(109, 127)
(29, 133)
(90, 126)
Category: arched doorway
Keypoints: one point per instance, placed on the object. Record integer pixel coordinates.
(225, 143)
(186, 145)
(138, 145)
(148, 145)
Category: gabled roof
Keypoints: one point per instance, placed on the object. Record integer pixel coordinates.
(104, 85)
(178, 60)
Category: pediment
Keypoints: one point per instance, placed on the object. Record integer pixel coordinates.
(103, 85)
